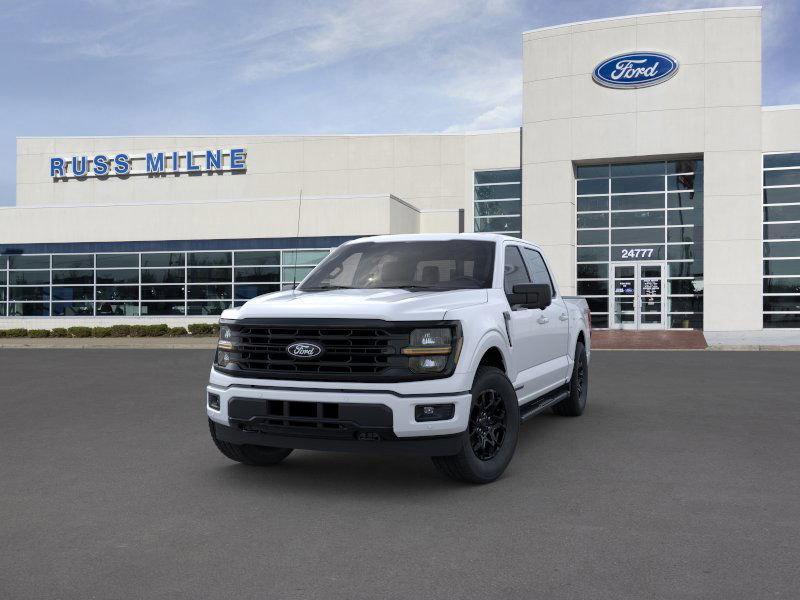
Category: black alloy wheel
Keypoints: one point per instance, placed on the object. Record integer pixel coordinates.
(487, 424)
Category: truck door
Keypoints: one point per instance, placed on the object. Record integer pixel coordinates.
(553, 324)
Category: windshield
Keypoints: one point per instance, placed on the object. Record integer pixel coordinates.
(415, 265)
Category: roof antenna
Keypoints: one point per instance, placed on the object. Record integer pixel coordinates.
(297, 242)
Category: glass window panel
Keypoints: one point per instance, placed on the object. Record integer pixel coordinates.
(637, 202)
(591, 171)
(29, 277)
(790, 177)
(2, 277)
(781, 249)
(537, 268)
(592, 271)
(162, 292)
(112, 261)
(500, 176)
(209, 292)
(29, 261)
(684, 166)
(303, 257)
(638, 252)
(592, 204)
(599, 321)
(592, 186)
(782, 160)
(29, 293)
(782, 285)
(682, 286)
(782, 231)
(782, 195)
(684, 199)
(787, 320)
(83, 292)
(680, 234)
(73, 261)
(3, 262)
(597, 305)
(257, 258)
(299, 273)
(488, 209)
(592, 236)
(117, 292)
(684, 182)
(495, 192)
(782, 213)
(2, 294)
(162, 276)
(686, 321)
(679, 252)
(207, 308)
(73, 309)
(28, 309)
(514, 269)
(209, 259)
(623, 185)
(118, 276)
(694, 304)
(245, 292)
(681, 269)
(637, 236)
(2, 309)
(117, 309)
(637, 219)
(782, 267)
(162, 309)
(592, 220)
(496, 225)
(257, 274)
(592, 254)
(593, 288)
(163, 259)
(649, 168)
(782, 303)
(210, 275)
(73, 277)
(683, 217)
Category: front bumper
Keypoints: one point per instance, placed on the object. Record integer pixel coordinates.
(256, 424)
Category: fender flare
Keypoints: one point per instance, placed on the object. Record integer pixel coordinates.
(493, 338)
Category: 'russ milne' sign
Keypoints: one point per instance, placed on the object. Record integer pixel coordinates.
(635, 70)
(151, 163)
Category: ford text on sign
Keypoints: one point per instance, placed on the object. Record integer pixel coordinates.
(635, 70)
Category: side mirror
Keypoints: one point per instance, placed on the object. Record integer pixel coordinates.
(530, 295)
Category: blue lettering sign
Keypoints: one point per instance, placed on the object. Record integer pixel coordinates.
(100, 164)
(635, 70)
(237, 159)
(154, 162)
(79, 166)
(213, 160)
(176, 162)
(56, 167)
(122, 166)
(190, 166)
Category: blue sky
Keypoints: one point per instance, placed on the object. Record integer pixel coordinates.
(104, 67)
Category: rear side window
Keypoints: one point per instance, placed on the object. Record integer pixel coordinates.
(538, 269)
(514, 270)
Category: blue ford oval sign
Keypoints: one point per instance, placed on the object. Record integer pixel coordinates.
(635, 70)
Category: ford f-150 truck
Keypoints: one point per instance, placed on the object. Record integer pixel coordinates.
(439, 345)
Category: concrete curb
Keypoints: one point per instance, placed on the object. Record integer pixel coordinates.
(173, 343)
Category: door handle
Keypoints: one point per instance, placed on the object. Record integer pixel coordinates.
(563, 317)
(542, 320)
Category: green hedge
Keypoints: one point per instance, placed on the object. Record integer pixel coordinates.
(114, 331)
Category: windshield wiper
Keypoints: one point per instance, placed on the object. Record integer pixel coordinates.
(324, 288)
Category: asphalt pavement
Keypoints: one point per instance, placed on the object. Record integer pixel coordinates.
(681, 480)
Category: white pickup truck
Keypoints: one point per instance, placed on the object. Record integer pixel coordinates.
(439, 345)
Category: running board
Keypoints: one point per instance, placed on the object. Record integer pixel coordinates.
(534, 407)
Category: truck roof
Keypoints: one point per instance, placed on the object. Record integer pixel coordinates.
(411, 237)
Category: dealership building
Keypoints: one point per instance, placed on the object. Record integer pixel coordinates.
(645, 166)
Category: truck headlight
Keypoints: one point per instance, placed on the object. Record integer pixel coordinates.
(430, 349)
(224, 346)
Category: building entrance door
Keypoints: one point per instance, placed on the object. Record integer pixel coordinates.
(637, 295)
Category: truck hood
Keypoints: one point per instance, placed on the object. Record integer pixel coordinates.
(386, 304)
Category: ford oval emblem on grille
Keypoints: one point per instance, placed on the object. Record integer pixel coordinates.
(304, 350)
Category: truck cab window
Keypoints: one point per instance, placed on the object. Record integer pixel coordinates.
(514, 270)
(538, 268)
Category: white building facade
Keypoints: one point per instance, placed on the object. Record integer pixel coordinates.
(658, 184)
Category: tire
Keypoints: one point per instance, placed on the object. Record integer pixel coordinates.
(258, 456)
(494, 416)
(574, 405)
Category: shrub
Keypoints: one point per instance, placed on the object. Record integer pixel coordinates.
(157, 330)
(120, 330)
(138, 331)
(16, 332)
(101, 332)
(177, 331)
(80, 332)
(38, 333)
(203, 329)
(59, 332)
